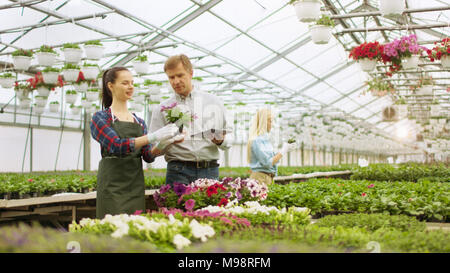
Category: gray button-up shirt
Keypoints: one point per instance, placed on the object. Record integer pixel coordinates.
(210, 113)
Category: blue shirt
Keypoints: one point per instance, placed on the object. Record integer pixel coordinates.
(262, 155)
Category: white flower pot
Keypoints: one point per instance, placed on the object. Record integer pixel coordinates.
(94, 52)
(7, 82)
(22, 94)
(43, 91)
(40, 101)
(141, 67)
(90, 72)
(320, 34)
(434, 110)
(91, 96)
(155, 97)
(402, 111)
(425, 90)
(307, 11)
(71, 75)
(367, 64)
(54, 108)
(411, 62)
(83, 87)
(24, 103)
(139, 98)
(71, 98)
(72, 55)
(445, 61)
(85, 103)
(22, 62)
(391, 7)
(50, 77)
(75, 110)
(38, 110)
(46, 58)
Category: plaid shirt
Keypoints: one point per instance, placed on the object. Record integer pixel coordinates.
(102, 132)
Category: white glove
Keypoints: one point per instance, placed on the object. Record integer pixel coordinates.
(164, 143)
(163, 133)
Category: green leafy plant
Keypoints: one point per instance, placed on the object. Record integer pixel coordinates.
(6, 75)
(70, 45)
(71, 92)
(141, 58)
(47, 49)
(54, 102)
(22, 52)
(325, 21)
(149, 82)
(90, 65)
(68, 66)
(51, 69)
(200, 79)
(94, 42)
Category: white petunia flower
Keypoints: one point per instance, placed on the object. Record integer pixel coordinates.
(180, 241)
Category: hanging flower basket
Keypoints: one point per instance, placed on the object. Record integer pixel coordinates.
(43, 91)
(72, 55)
(92, 94)
(7, 80)
(70, 75)
(54, 107)
(307, 10)
(22, 62)
(140, 97)
(71, 96)
(411, 62)
(38, 110)
(75, 110)
(85, 103)
(46, 58)
(367, 65)
(90, 72)
(141, 67)
(320, 34)
(24, 103)
(425, 90)
(81, 87)
(50, 77)
(392, 7)
(40, 101)
(94, 52)
(445, 61)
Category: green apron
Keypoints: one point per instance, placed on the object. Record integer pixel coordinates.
(120, 180)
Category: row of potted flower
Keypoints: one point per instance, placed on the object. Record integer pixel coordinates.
(403, 53)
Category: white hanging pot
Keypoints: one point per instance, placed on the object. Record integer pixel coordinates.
(411, 62)
(425, 90)
(154, 90)
(71, 98)
(307, 10)
(91, 96)
(38, 110)
(75, 110)
(155, 97)
(94, 52)
(43, 91)
(139, 98)
(367, 64)
(141, 67)
(46, 58)
(24, 103)
(54, 108)
(90, 72)
(445, 61)
(71, 75)
(434, 110)
(40, 101)
(320, 34)
(7, 82)
(72, 55)
(85, 103)
(392, 7)
(22, 62)
(82, 87)
(50, 77)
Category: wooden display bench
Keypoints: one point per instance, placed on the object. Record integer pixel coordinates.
(304, 177)
(55, 209)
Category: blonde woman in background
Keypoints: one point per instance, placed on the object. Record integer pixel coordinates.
(260, 154)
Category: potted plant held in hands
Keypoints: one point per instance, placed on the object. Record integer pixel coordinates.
(22, 59)
(306, 10)
(94, 50)
(140, 64)
(321, 31)
(46, 55)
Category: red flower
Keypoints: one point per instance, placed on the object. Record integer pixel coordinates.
(30, 180)
(363, 194)
(223, 202)
(371, 186)
(211, 191)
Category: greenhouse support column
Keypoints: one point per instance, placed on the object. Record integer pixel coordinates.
(303, 154)
(324, 155)
(332, 156)
(340, 156)
(31, 149)
(87, 144)
(289, 158)
(227, 158)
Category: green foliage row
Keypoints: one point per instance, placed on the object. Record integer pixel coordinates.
(426, 200)
(411, 172)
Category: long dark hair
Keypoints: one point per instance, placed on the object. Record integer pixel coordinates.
(110, 75)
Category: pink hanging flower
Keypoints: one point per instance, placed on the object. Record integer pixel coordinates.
(189, 205)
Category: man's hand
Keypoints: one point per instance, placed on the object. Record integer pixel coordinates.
(218, 138)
